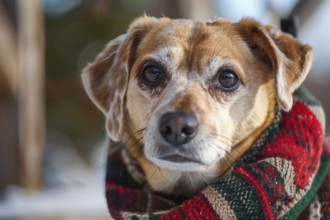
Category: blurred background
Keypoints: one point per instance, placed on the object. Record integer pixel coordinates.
(52, 155)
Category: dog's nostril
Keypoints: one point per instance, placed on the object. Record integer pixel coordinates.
(178, 127)
(188, 130)
(165, 129)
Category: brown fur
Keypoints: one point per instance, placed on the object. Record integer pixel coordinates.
(270, 65)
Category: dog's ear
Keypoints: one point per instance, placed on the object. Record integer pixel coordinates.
(290, 60)
(106, 79)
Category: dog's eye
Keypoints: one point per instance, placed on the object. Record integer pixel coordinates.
(228, 80)
(151, 74)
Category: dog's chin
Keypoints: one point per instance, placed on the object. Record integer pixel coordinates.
(179, 163)
(192, 157)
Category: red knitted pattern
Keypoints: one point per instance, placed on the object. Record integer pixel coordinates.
(197, 208)
(299, 142)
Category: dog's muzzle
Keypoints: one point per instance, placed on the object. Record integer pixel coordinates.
(179, 143)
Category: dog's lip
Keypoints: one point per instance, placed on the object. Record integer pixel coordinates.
(177, 158)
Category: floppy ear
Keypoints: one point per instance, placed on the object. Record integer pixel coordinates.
(290, 60)
(106, 79)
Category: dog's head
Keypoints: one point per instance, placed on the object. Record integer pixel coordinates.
(195, 90)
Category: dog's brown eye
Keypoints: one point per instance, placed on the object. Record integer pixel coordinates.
(151, 74)
(228, 80)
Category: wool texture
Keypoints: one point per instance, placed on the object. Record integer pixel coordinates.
(285, 175)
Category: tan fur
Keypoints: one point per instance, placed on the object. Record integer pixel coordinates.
(270, 65)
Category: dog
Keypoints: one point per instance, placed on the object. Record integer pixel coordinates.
(186, 99)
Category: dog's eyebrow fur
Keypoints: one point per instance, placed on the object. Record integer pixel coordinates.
(197, 36)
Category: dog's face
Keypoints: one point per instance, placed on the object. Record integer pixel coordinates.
(189, 97)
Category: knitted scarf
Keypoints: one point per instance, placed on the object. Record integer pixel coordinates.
(285, 175)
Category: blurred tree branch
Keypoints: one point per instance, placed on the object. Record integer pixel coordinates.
(31, 91)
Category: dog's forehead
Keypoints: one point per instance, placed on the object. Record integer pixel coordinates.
(191, 33)
(193, 44)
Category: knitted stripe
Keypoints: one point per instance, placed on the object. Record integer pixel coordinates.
(260, 192)
(219, 203)
(238, 194)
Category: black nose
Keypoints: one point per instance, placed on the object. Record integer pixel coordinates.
(178, 127)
